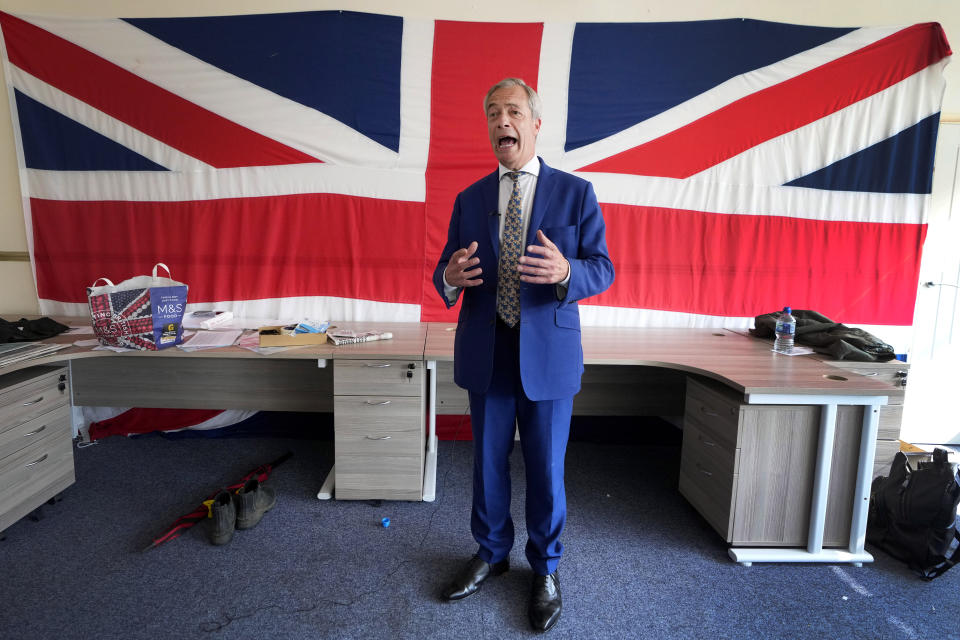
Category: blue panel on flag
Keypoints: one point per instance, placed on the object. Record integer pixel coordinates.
(344, 64)
(54, 141)
(900, 164)
(625, 73)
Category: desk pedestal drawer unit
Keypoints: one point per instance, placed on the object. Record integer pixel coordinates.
(895, 373)
(379, 415)
(748, 469)
(36, 448)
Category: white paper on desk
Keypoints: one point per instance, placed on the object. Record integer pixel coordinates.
(193, 322)
(795, 351)
(86, 329)
(86, 343)
(211, 339)
(249, 339)
(195, 319)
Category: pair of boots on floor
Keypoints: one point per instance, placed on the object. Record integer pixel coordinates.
(240, 510)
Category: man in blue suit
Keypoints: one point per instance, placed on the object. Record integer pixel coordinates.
(525, 244)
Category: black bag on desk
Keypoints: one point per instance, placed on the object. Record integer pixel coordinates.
(913, 514)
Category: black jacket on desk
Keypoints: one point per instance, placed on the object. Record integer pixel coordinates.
(828, 337)
(24, 330)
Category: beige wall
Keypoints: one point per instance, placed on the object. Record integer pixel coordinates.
(17, 291)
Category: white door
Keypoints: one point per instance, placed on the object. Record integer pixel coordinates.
(930, 411)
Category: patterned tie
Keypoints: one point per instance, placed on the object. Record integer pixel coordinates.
(511, 247)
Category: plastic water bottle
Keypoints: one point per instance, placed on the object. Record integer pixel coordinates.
(786, 329)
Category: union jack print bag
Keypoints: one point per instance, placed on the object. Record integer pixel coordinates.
(144, 312)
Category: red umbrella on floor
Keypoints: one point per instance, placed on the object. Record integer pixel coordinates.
(187, 520)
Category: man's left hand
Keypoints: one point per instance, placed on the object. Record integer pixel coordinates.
(549, 268)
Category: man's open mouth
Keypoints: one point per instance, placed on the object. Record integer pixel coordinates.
(506, 141)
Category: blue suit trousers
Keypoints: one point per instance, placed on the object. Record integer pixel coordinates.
(544, 428)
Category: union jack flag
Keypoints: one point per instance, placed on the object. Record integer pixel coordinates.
(305, 165)
(123, 319)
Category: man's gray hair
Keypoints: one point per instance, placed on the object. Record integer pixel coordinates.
(533, 99)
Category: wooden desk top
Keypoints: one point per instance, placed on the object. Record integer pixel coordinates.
(741, 362)
(407, 342)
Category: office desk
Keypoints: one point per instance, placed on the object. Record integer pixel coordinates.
(313, 378)
(740, 374)
(732, 368)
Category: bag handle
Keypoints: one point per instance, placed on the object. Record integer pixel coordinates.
(107, 280)
(948, 561)
(160, 264)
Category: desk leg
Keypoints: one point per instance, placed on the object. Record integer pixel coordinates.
(430, 466)
(861, 495)
(326, 491)
(821, 478)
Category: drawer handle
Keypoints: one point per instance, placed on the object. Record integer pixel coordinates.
(27, 404)
(33, 433)
(709, 443)
(379, 437)
(377, 366)
(872, 373)
(712, 414)
(38, 461)
(704, 471)
(376, 404)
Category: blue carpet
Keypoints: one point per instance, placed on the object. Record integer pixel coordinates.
(640, 562)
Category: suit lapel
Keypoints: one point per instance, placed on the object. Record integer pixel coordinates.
(491, 206)
(541, 200)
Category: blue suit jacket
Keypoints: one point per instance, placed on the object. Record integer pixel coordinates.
(551, 357)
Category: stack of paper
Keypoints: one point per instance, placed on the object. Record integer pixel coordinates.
(211, 339)
(18, 351)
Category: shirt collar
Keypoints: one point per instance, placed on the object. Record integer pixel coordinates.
(531, 167)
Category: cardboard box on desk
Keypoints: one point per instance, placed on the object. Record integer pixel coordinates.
(280, 339)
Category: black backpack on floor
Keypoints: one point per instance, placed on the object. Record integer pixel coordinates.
(913, 514)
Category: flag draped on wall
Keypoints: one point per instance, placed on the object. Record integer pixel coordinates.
(305, 164)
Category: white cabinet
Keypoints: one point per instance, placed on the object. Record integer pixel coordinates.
(378, 429)
(36, 447)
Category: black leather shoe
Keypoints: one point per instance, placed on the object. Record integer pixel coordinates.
(472, 576)
(545, 602)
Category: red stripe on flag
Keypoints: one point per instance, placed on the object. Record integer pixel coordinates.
(468, 58)
(784, 107)
(141, 420)
(743, 265)
(236, 248)
(157, 112)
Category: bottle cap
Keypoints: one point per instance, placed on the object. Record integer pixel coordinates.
(787, 310)
(385, 522)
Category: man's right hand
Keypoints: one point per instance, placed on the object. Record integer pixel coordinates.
(462, 270)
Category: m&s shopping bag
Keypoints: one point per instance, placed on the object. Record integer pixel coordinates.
(144, 312)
